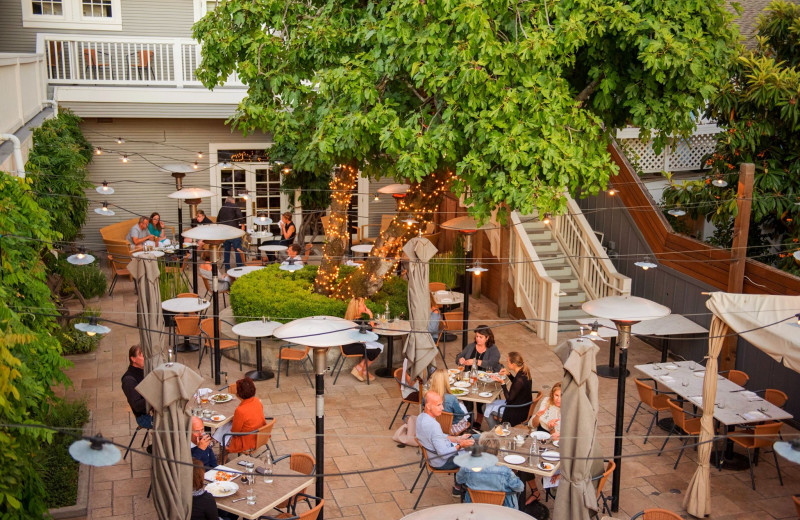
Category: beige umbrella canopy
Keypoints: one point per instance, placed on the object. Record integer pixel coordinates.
(167, 389)
(580, 454)
(149, 317)
(419, 348)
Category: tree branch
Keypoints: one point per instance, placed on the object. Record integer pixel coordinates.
(589, 90)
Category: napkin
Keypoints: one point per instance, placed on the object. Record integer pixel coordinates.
(670, 366)
(696, 398)
(755, 416)
(667, 379)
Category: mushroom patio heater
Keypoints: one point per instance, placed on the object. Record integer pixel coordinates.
(190, 196)
(214, 235)
(467, 226)
(178, 171)
(320, 333)
(624, 311)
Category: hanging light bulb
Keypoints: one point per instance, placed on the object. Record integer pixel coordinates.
(595, 330)
(477, 269)
(377, 198)
(125, 158)
(546, 219)
(80, 258)
(120, 140)
(93, 327)
(105, 189)
(225, 164)
(287, 169)
(410, 221)
(199, 155)
(645, 264)
(245, 196)
(612, 191)
(195, 165)
(719, 182)
(104, 210)
(98, 151)
(676, 212)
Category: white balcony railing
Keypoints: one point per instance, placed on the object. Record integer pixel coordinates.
(24, 89)
(108, 60)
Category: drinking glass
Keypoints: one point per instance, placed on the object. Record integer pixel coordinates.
(721, 405)
(506, 428)
(684, 382)
(251, 477)
(268, 468)
(251, 496)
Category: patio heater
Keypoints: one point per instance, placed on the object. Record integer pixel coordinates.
(467, 226)
(192, 197)
(397, 191)
(178, 171)
(320, 333)
(214, 235)
(624, 311)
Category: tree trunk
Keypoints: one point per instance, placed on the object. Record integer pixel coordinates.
(421, 202)
(342, 186)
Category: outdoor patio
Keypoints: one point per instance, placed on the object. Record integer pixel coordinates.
(357, 437)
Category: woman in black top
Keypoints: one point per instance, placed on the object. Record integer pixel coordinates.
(204, 507)
(519, 393)
(482, 352)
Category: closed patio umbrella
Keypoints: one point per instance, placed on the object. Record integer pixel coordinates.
(420, 348)
(149, 317)
(576, 498)
(167, 389)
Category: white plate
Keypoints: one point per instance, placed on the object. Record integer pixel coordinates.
(514, 459)
(228, 397)
(551, 455)
(453, 371)
(462, 384)
(546, 466)
(217, 418)
(485, 394)
(446, 300)
(555, 443)
(442, 292)
(457, 391)
(670, 367)
(541, 436)
(222, 489)
(699, 374)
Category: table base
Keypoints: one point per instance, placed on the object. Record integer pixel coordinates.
(386, 372)
(610, 372)
(732, 462)
(187, 347)
(666, 424)
(260, 375)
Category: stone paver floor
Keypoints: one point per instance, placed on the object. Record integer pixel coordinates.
(357, 435)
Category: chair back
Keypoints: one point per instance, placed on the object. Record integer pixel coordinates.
(678, 414)
(454, 321)
(143, 58)
(428, 462)
(398, 377)
(765, 434)
(232, 389)
(445, 420)
(90, 57)
(607, 473)
(264, 433)
(341, 349)
(313, 513)
(206, 284)
(646, 392)
(486, 497)
(796, 499)
(302, 463)
(187, 325)
(436, 286)
(738, 377)
(386, 221)
(658, 514)
(775, 397)
(118, 268)
(536, 399)
(188, 295)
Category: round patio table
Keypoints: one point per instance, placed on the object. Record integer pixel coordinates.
(474, 511)
(257, 329)
(364, 249)
(185, 306)
(390, 330)
(237, 272)
(156, 253)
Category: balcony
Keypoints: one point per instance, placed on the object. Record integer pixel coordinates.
(24, 92)
(122, 61)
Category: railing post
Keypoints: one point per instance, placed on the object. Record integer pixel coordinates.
(177, 62)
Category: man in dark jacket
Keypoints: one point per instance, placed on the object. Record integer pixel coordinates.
(201, 444)
(231, 215)
(132, 377)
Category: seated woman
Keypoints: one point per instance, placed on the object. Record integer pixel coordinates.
(440, 384)
(204, 270)
(355, 310)
(156, 228)
(493, 478)
(248, 417)
(482, 352)
(204, 507)
(548, 418)
(518, 394)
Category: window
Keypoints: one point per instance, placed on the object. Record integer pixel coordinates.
(102, 15)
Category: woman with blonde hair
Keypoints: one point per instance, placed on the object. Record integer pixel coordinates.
(548, 418)
(511, 409)
(440, 383)
(371, 349)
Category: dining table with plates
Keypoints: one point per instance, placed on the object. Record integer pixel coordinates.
(462, 387)
(448, 298)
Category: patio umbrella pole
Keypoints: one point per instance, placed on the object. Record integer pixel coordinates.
(215, 310)
(467, 289)
(194, 269)
(180, 224)
(320, 357)
(624, 342)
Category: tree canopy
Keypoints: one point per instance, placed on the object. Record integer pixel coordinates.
(518, 99)
(758, 110)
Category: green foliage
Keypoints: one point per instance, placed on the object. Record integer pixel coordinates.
(759, 111)
(74, 341)
(519, 99)
(57, 167)
(170, 284)
(57, 467)
(88, 279)
(444, 268)
(284, 296)
(30, 357)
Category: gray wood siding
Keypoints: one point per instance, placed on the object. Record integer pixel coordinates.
(140, 187)
(158, 18)
(151, 110)
(683, 295)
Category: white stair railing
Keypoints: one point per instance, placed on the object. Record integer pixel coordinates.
(596, 274)
(534, 292)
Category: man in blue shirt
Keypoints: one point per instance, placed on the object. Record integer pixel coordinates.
(201, 444)
(495, 478)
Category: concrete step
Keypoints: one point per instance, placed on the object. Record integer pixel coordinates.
(546, 248)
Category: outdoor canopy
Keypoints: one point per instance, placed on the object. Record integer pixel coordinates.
(419, 348)
(149, 317)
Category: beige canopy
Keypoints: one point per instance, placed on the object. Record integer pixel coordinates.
(752, 317)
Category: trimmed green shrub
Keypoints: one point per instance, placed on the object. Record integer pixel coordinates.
(58, 469)
(74, 341)
(88, 279)
(284, 296)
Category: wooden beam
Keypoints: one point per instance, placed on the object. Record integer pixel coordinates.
(505, 268)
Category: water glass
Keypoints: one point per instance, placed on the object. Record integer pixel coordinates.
(251, 496)
(506, 428)
(251, 478)
(684, 382)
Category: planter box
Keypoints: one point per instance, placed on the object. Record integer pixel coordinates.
(81, 507)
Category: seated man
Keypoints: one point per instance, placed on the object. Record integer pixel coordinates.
(201, 444)
(293, 257)
(130, 379)
(441, 448)
(495, 478)
(139, 234)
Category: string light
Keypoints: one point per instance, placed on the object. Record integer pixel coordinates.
(125, 158)
(612, 191)
(676, 212)
(719, 182)
(199, 155)
(595, 332)
(377, 198)
(195, 165)
(98, 151)
(477, 269)
(546, 219)
(120, 140)
(104, 210)
(105, 189)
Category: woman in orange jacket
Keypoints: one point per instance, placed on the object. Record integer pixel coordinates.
(248, 417)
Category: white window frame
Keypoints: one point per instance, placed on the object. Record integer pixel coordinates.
(72, 17)
(200, 9)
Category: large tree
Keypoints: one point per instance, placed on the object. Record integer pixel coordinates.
(517, 99)
(758, 110)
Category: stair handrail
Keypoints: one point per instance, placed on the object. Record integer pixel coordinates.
(534, 291)
(576, 238)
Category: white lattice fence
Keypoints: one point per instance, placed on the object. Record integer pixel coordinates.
(683, 155)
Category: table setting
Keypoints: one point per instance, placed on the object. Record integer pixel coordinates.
(224, 405)
(516, 452)
(464, 388)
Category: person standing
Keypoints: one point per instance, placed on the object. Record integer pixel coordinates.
(130, 380)
(231, 215)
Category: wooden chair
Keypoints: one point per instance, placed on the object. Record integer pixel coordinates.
(762, 436)
(486, 497)
(536, 396)
(737, 376)
(180, 271)
(688, 427)
(602, 499)
(386, 221)
(118, 269)
(207, 329)
(341, 360)
(311, 514)
(650, 396)
(657, 514)
(187, 327)
(90, 63)
(187, 295)
(431, 471)
(398, 374)
(445, 420)
(287, 353)
(263, 436)
(301, 463)
(436, 286)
